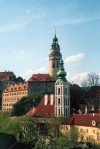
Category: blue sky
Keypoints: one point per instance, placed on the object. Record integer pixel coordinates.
(27, 30)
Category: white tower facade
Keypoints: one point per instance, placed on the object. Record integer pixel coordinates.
(62, 94)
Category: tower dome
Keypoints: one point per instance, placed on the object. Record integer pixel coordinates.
(61, 74)
(55, 39)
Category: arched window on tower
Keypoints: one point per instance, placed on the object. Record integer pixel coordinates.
(58, 101)
(66, 112)
(58, 91)
(59, 112)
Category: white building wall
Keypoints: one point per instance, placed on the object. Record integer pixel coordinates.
(64, 106)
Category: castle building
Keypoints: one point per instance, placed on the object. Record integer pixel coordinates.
(12, 94)
(54, 58)
(41, 83)
(44, 83)
(54, 105)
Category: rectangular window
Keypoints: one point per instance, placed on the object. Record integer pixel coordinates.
(81, 130)
(58, 101)
(65, 91)
(87, 130)
(58, 91)
(93, 131)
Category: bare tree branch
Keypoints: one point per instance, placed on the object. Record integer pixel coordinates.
(92, 80)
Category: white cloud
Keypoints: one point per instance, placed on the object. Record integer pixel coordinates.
(77, 78)
(74, 21)
(26, 75)
(75, 58)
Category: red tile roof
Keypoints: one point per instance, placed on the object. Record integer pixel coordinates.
(16, 87)
(83, 119)
(40, 77)
(31, 112)
(43, 110)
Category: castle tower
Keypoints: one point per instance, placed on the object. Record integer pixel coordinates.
(54, 58)
(62, 94)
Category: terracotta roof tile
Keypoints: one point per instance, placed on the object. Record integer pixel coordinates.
(43, 110)
(16, 87)
(83, 119)
(40, 77)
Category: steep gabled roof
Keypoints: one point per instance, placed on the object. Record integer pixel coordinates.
(43, 110)
(40, 78)
(83, 119)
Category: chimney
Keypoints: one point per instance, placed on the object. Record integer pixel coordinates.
(92, 108)
(46, 99)
(93, 114)
(51, 99)
(85, 109)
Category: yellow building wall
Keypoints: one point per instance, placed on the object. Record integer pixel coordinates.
(85, 133)
(10, 98)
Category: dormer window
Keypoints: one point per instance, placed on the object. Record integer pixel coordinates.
(93, 123)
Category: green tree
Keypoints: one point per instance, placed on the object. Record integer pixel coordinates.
(24, 128)
(4, 119)
(73, 134)
(25, 104)
(40, 143)
(63, 141)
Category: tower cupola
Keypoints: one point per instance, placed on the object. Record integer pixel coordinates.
(61, 74)
(55, 44)
(55, 39)
(54, 58)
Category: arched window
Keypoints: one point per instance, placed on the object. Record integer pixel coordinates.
(58, 91)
